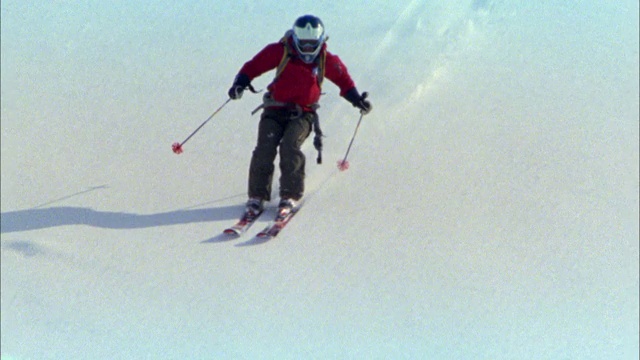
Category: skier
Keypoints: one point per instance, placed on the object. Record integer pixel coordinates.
(289, 107)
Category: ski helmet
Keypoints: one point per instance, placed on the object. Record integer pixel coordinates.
(308, 37)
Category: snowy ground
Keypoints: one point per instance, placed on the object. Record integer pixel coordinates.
(490, 212)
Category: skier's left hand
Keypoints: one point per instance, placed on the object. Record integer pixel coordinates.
(358, 100)
(363, 105)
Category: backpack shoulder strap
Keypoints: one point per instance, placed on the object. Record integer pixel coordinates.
(321, 60)
(286, 54)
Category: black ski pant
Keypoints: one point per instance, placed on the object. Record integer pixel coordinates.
(286, 130)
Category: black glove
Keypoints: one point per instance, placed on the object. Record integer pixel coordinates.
(358, 100)
(240, 83)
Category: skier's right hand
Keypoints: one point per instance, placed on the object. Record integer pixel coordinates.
(236, 92)
(240, 83)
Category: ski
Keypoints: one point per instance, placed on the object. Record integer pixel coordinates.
(245, 222)
(274, 227)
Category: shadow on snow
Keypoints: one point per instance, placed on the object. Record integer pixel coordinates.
(33, 219)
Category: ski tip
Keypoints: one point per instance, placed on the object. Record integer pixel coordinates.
(231, 232)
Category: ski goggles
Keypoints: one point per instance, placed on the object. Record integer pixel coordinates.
(308, 44)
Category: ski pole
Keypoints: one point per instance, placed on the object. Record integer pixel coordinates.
(177, 147)
(344, 164)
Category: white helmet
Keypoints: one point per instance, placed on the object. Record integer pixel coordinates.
(308, 37)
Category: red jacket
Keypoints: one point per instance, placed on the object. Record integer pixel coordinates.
(297, 83)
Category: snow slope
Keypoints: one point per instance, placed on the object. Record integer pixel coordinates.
(490, 212)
